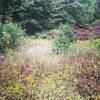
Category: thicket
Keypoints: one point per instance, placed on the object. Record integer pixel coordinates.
(10, 34)
(86, 71)
(63, 40)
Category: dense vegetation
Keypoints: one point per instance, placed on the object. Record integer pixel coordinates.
(49, 49)
(9, 36)
(37, 15)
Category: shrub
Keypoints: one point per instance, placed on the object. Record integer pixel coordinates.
(43, 36)
(96, 42)
(84, 34)
(96, 23)
(87, 72)
(9, 35)
(10, 86)
(63, 40)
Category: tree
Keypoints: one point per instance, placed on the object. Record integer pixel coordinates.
(81, 11)
(8, 8)
(97, 9)
(37, 15)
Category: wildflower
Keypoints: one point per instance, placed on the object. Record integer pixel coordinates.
(29, 78)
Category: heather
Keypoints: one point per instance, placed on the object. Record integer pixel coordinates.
(85, 34)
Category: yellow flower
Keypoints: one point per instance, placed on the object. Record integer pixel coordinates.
(29, 78)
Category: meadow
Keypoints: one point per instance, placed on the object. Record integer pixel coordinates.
(34, 72)
(49, 49)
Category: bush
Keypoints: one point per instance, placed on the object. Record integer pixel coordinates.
(63, 40)
(86, 75)
(9, 35)
(96, 23)
(10, 86)
(43, 36)
(96, 42)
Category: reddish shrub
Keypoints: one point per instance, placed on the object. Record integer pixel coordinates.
(84, 34)
(25, 69)
(87, 75)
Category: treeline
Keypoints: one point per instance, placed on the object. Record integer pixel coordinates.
(37, 15)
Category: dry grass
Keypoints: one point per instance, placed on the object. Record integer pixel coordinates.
(48, 76)
(51, 74)
(43, 75)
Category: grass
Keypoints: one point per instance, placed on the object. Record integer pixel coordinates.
(80, 47)
(51, 74)
(48, 76)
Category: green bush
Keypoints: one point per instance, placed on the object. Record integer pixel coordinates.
(96, 42)
(9, 35)
(63, 40)
(96, 23)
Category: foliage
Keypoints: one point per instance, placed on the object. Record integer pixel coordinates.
(97, 9)
(96, 42)
(38, 69)
(84, 34)
(63, 40)
(96, 23)
(41, 74)
(42, 14)
(80, 48)
(9, 8)
(9, 35)
(34, 15)
(87, 73)
(37, 15)
(81, 11)
(10, 86)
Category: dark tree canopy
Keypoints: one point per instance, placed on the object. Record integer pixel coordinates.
(37, 15)
(97, 8)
